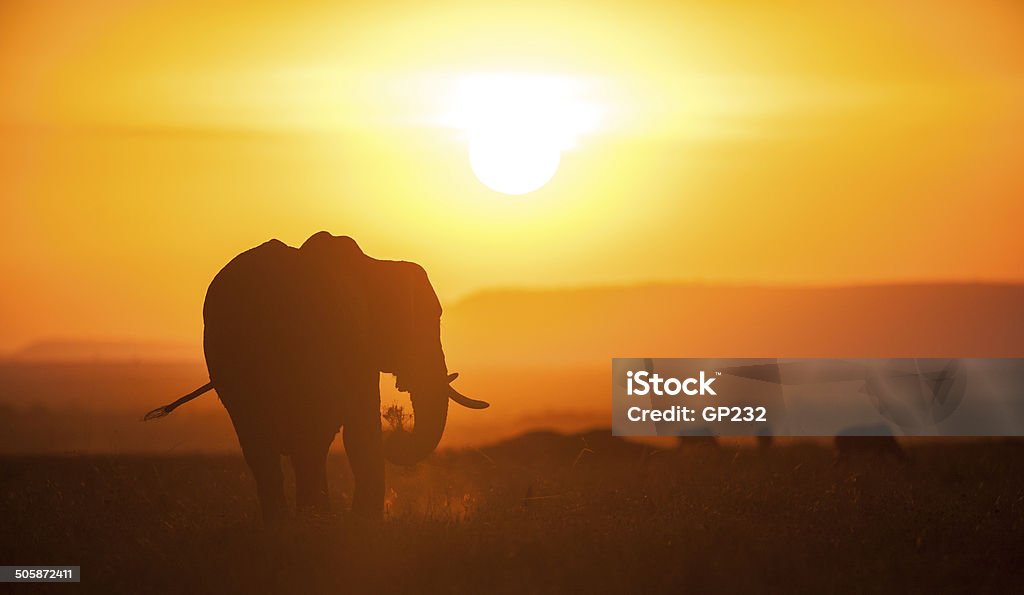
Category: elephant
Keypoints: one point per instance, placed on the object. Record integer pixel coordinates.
(295, 341)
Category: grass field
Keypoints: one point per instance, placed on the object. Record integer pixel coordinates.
(540, 513)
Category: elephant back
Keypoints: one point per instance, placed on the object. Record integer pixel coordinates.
(274, 343)
(249, 319)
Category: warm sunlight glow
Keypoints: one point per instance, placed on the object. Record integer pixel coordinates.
(787, 143)
(517, 125)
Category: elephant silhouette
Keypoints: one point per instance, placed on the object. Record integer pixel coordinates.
(295, 340)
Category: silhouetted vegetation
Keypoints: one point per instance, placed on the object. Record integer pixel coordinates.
(544, 512)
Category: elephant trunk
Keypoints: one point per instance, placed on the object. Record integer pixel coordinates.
(430, 413)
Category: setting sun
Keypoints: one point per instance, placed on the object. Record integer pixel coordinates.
(517, 125)
(514, 163)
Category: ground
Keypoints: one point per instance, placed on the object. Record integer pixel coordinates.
(541, 513)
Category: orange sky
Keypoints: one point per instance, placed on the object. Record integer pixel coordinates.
(141, 147)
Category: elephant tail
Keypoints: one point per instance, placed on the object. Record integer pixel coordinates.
(168, 408)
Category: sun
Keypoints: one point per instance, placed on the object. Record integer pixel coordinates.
(513, 163)
(517, 125)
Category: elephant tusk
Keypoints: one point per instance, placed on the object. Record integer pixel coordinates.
(465, 401)
(462, 399)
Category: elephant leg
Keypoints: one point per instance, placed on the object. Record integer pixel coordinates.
(364, 447)
(310, 463)
(265, 463)
(365, 451)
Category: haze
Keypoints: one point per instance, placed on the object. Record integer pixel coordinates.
(141, 147)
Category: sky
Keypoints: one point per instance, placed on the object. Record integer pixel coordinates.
(142, 145)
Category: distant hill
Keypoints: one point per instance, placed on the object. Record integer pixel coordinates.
(588, 326)
(70, 350)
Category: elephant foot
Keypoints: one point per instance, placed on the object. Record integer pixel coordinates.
(368, 512)
(273, 513)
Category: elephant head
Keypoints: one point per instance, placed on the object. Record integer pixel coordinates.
(403, 335)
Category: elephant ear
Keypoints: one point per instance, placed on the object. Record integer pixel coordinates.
(462, 399)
